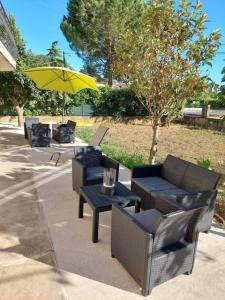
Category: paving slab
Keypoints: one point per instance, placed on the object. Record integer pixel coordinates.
(86, 270)
(27, 262)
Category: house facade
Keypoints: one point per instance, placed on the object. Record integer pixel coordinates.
(8, 49)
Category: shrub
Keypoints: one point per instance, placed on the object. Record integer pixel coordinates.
(117, 103)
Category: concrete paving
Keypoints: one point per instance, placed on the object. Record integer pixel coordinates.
(67, 265)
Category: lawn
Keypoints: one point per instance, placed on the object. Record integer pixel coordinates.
(129, 144)
(190, 144)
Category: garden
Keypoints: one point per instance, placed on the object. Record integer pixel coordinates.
(101, 206)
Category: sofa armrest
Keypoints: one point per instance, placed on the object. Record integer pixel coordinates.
(147, 171)
(192, 200)
(109, 162)
(186, 201)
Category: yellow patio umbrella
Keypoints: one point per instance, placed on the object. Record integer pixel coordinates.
(61, 79)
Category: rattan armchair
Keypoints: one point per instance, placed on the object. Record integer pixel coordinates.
(88, 166)
(154, 247)
(64, 133)
(39, 135)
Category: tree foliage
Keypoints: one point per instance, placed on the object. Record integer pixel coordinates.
(16, 88)
(116, 103)
(54, 55)
(20, 93)
(162, 58)
(93, 29)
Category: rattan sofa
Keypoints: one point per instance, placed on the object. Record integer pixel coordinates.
(155, 247)
(176, 184)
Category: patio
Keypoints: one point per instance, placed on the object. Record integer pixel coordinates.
(46, 251)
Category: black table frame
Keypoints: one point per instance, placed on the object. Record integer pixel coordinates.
(99, 203)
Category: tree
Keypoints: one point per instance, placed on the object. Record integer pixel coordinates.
(54, 55)
(16, 88)
(93, 28)
(162, 58)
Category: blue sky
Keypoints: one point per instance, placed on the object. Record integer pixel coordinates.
(38, 21)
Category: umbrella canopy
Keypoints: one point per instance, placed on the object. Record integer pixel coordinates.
(61, 79)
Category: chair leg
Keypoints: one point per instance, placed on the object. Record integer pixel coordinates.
(188, 273)
(146, 292)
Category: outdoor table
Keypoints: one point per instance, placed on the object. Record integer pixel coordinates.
(99, 202)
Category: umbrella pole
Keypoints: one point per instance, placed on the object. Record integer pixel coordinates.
(63, 107)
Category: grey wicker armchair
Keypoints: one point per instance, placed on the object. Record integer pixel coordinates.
(39, 135)
(176, 184)
(64, 133)
(88, 166)
(154, 247)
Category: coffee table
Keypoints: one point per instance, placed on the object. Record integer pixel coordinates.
(99, 202)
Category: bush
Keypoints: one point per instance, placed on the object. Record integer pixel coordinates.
(117, 103)
(108, 102)
(214, 103)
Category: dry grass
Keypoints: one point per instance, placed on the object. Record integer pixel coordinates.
(179, 140)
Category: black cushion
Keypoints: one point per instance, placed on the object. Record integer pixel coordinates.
(148, 219)
(197, 179)
(171, 194)
(89, 156)
(154, 183)
(173, 169)
(40, 129)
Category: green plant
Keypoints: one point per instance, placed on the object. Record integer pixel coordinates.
(113, 150)
(117, 103)
(205, 163)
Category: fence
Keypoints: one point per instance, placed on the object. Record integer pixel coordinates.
(83, 110)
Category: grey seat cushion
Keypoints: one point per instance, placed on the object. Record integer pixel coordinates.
(197, 179)
(151, 184)
(149, 219)
(94, 173)
(173, 169)
(169, 194)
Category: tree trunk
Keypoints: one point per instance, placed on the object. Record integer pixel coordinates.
(19, 111)
(154, 146)
(109, 63)
(110, 77)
